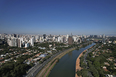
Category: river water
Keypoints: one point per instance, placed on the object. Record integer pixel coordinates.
(66, 65)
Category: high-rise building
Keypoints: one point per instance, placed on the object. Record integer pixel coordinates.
(44, 36)
(19, 42)
(36, 38)
(75, 39)
(53, 38)
(64, 39)
(59, 39)
(67, 38)
(40, 39)
(32, 41)
(9, 41)
(103, 36)
(70, 40)
(26, 45)
(12, 41)
(14, 35)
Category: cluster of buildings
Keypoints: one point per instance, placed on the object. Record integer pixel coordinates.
(98, 36)
(15, 54)
(28, 40)
(106, 64)
(20, 42)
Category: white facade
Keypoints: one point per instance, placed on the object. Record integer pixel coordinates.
(59, 39)
(32, 41)
(75, 39)
(26, 45)
(67, 38)
(12, 41)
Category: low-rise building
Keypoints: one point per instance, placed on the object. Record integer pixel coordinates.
(109, 75)
(49, 52)
(42, 55)
(36, 59)
(106, 63)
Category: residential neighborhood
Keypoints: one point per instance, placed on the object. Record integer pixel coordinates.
(101, 61)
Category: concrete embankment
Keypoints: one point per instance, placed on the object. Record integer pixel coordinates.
(45, 71)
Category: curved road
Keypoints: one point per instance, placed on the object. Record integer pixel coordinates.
(35, 69)
(85, 56)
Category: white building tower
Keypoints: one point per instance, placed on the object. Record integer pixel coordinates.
(32, 41)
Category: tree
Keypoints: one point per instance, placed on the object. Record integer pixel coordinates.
(96, 64)
(79, 73)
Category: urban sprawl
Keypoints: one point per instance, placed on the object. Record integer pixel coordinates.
(32, 50)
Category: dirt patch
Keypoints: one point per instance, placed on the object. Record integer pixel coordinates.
(78, 68)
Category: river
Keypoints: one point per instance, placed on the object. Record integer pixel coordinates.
(66, 65)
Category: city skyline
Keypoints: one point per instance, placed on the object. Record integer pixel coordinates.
(58, 17)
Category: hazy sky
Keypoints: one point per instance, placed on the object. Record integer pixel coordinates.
(58, 16)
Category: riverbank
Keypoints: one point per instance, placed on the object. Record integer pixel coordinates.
(78, 68)
(66, 65)
(46, 70)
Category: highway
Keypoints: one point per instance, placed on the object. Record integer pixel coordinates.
(35, 69)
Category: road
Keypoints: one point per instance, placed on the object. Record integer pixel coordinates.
(88, 51)
(85, 60)
(35, 69)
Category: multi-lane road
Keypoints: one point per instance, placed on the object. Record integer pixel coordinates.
(35, 69)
